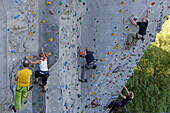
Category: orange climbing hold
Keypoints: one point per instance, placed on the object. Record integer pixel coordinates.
(115, 47)
(47, 54)
(122, 3)
(113, 34)
(107, 74)
(121, 11)
(29, 56)
(101, 60)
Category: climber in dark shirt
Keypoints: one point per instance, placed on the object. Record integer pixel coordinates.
(91, 64)
(122, 103)
(133, 37)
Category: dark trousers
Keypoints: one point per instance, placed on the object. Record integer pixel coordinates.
(42, 74)
(113, 105)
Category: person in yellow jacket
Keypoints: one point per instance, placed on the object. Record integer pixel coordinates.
(23, 82)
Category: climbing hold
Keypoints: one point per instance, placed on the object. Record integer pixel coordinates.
(153, 3)
(121, 11)
(113, 34)
(88, 87)
(92, 75)
(43, 21)
(51, 39)
(107, 74)
(48, 3)
(51, 12)
(132, 15)
(122, 3)
(110, 68)
(29, 56)
(91, 80)
(109, 53)
(101, 60)
(115, 47)
(47, 54)
(60, 3)
(31, 33)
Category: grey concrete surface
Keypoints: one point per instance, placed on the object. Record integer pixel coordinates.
(99, 20)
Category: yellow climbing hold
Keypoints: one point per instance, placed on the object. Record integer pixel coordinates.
(48, 3)
(98, 98)
(132, 15)
(93, 102)
(115, 47)
(83, 111)
(121, 11)
(92, 75)
(92, 93)
(107, 74)
(29, 56)
(42, 94)
(126, 21)
(109, 53)
(29, 10)
(25, 50)
(91, 80)
(113, 34)
(128, 29)
(89, 105)
(31, 34)
(101, 59)
(167, 16)
(127, 55)
(133, 0)
(40, 109)
(51, 39)
(111, 64)
(122, 3)
(110, 68)
(42, 21)
(88, 87)
(47, 54)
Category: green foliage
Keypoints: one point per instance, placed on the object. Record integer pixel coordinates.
(150, 82)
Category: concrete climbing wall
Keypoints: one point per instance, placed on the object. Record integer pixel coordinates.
(19, 39)
(104, 30)
(63, 85)
(108, 33)
(59, 26)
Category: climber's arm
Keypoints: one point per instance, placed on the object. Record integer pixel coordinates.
(121, 94)
(81, 53)
(126, 89)
(16, 77)
(43, 53)
(132, 21)
(35, 62)
(147, 17)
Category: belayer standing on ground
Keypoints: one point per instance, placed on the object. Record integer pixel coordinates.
(122, 103)
(133, 37)
(43, 72)
(23, 81)
(91, 64)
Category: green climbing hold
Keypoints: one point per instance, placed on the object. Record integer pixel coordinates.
(58, 11)
(33, 103)
(87, 9)
(76, 30)
(94, 45)
(34, 31)
(121, 74)
(25, 102)
(97, 59)
(100, 109)
(15, 75)
(62, 29)
(72, 105)
(80, 23)
(53, 26)
(130, 60)
(77, 36)
(80, 0)
(43, 12)
(143, 50)
(60, 3)
(134, 48)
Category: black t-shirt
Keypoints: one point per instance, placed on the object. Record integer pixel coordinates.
(89, 57)
(125, 101)
(142, 27)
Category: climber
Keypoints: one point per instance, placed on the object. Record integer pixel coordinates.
(23, 81)
(133, 37)
(91, 64)
(122, 103)
(43, 72)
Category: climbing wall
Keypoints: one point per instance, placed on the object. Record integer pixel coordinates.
(19, 39)
(64, 90)
(59, 26)
(104, 30)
